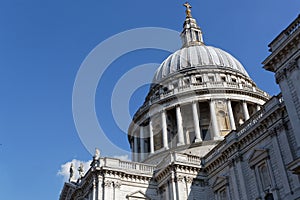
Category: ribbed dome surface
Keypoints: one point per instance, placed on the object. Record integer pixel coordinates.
(197, 56)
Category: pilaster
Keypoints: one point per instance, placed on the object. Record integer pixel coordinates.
(241, 178)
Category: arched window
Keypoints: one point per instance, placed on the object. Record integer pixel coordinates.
(265, 177)
(223, 195)
(199, 79)
(269, 196)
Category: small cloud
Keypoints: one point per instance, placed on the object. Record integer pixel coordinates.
(65, 169)
(123, 157)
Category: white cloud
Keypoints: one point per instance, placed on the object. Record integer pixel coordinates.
(123, 157)
(65, 168)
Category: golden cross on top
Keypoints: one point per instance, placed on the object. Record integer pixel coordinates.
(188, 9)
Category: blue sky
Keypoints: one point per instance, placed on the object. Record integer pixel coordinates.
(43, 43)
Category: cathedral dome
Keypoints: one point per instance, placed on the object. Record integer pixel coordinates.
(195, 57)
(199, 94)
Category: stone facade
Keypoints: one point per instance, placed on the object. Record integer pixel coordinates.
(214, 135)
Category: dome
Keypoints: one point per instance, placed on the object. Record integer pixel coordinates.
(197, 56)
(199, 94)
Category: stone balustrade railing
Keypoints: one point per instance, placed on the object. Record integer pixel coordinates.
(208, 85)
(199, 86)
(127, 165)
(180, 158)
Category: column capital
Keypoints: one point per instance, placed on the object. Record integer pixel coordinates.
(142, 124)
(117, 184)
(292, 65)
(162, 111)
(177, 105)
(107, 183)
(189, 179)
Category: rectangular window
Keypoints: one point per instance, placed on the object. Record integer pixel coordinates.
(199, 79)
(211, 79)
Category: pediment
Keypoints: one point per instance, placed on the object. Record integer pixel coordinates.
(137, 196)
(220, 181)
(257, 156)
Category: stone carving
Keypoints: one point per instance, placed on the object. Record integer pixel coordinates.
(81, 170)
(189, 179)
(71, 178)
(117, 184)
(97, 154)
(179, 179)
(107, 183)
(96, 158)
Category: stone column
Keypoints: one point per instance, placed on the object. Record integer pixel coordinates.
(151, 136)
(188, 184)
(179, 126)
(117, 186)
(94, 197)
(136, 149)
(196, 122)
(245, 109)
(174, 195)
(230, 113)
(164, 129)
(100, 188)
(142, 143)
(181, 188)
(215, 128)
(108, 189)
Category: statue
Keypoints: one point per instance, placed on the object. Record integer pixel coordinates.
(96, 158)
(97, 154)
(241, 121)
(188, 10)
(81, 171)
(71, 172)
